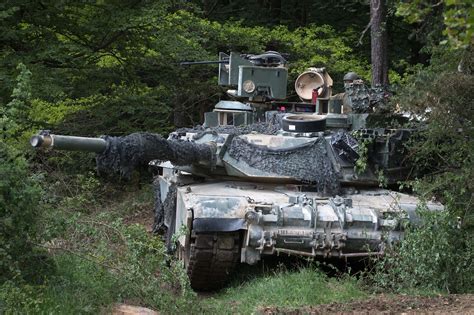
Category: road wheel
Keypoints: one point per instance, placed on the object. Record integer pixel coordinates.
(210, 259)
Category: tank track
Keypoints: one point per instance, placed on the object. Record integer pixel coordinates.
(212, 258)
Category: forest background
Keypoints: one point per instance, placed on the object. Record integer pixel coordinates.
(112, 67)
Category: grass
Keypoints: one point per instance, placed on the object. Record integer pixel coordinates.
(79, 287)
(304, 287)
(95, 237)
(82, 287)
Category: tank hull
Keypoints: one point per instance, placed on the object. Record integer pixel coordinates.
(279, 218)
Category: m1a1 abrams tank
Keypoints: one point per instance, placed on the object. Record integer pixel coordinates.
(265, 176)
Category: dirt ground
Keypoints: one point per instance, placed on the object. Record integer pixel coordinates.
(144, 217)
(389, 304)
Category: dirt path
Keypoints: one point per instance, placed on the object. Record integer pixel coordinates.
(387, 304)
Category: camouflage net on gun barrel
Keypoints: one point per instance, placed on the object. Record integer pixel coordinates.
(124, 154)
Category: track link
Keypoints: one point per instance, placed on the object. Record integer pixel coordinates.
(212, 258)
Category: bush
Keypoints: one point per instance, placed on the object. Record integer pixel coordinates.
(20, 205)
(444, 154)
(439, 254)
(20, 298)
(436, 256)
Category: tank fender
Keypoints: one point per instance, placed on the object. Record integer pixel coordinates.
(215, 213)
(201, 225)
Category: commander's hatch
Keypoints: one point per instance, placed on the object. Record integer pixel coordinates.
(229, 113)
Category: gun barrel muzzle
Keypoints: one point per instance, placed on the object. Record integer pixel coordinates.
(69, 143)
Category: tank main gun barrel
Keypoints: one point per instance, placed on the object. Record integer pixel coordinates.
(124, 154)
(70, 143)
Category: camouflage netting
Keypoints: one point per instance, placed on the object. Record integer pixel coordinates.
(165, 211)
(363, 99)
(308, 163)
(379, 98)
(124, 154)
(158, 222)
(359, 96)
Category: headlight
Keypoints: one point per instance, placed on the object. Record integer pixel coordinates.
(248, 86)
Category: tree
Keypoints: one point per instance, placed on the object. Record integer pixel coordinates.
(378, 34)
(432, 19)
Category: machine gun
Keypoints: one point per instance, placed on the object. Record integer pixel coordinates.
(267, 59)
(258, 78)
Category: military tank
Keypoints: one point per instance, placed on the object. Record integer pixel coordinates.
(266, 176)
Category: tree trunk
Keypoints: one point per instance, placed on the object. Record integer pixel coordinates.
(378, 34)
(275, 10)
(302, 10)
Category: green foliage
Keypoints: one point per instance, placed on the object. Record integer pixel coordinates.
(99, 259)
(382, 179)
(443, 153)
(437, 255)
(434, 257)
(14, 116)
(363, 151)
(23, 298)
(84, 191)
(459, 21)
(114, 263)
(110, 68)
(51, 114)
(458, 18)
(20, 206)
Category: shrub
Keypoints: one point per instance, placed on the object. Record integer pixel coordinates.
(439, 254)
(20, 205)
(436, 256)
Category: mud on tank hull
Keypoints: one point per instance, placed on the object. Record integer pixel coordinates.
(234, 221)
